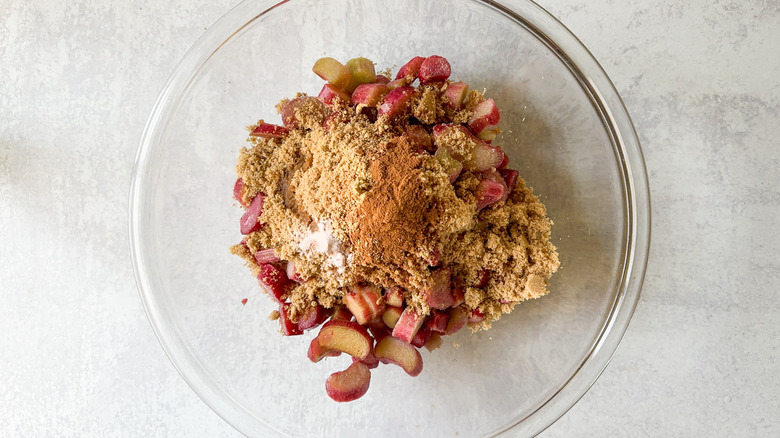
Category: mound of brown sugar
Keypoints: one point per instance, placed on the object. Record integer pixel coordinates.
(353, 199)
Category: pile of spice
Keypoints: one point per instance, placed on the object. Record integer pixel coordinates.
(385, 210)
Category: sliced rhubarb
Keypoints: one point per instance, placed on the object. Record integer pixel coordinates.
(434, 69)
(396, 101)
(273, 280)
(369, 94)
(421, 337)
(476, 316)
(410, 69)
(419, 138)
(266, 256)
(316, 353)
(484, 276)
(361, 71)
(391, 315)
(455, 94)
(488, 134)
(394, 297)
(510, 177)
(437, 321)
(486, 114)
(434, 342)
(396, 351)
(332, 71)
(250, 220)
(437, 291)
(458, 319)
(489, 192)
(267, 130)
(289, 328)
(238, 191)
(350, 384)
(346, 336)
(293, 273)
(408, 324)
(365, 302)
(484, 157)
(312, 317)
(458, 296)
(371, 360)
(329, 93)
(341, 312)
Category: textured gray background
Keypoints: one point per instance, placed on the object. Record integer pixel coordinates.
(700, 79)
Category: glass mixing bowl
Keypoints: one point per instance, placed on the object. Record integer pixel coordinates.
(565, 130)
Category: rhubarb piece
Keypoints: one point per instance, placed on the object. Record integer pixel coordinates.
(476, 316)
(410, 69)
(421, 337)
(458, 319)
(250, 219)
(394, 297)
(434, 342)
(332, 71)
(369, 94)
(289, 328)
(266, 256)
(434, 69)
(330, 93)
(434, 258)
(437, 321)
(312, 317)
(447, 135)
(484, 276)
(341, 312)
(293, 274)
(408, 324)
(292, 118)
(484, 157)
(361, 71)
(449, 165)
(488, 134)
(486, 114)
(396, 101)
(458, 296)
(350, 384)
(365, 302)
(419, 137)
(371, 360)
(391, 315)
(510, 177)
(395, 83)
(267, 130)
(273, 280)
(346, 336)
(489, 192)
(382, 79)
(238, 191)
(437, 292)
(316, 353)
(396, 351)
(504, 163)
(380, 333)
(455, 94)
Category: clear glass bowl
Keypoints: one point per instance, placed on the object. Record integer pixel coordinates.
(565, 129)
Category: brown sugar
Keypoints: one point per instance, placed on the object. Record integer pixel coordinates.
(352, 199)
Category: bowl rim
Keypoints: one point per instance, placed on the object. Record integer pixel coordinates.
(607, 102)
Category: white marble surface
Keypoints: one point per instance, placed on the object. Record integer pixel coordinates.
(699, 77)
